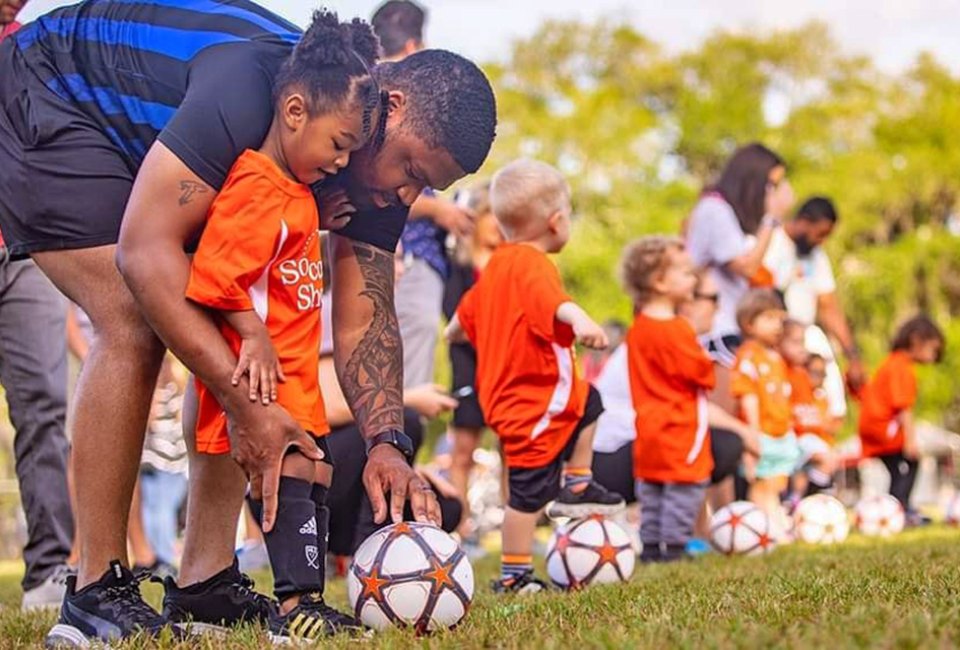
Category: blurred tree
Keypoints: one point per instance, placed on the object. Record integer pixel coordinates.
(640, 132)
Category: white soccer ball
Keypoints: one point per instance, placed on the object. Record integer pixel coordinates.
(410, 574)
(879, 516)
(590, 551)
(820, 519)
(952, 516)
(741, 528)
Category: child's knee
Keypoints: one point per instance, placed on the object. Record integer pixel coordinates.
(296, 465)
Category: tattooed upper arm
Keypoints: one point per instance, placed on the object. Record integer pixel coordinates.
(371, 373)
(189, 189)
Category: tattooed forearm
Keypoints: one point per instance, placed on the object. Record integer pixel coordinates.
(372, 378)
(189, 189)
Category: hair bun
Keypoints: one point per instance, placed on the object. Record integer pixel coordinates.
(327, 42)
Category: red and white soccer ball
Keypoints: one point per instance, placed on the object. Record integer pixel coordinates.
(952, 516)
(741, 528)
(410, 574)
(820, 519)
(590, 551)
(880, 516)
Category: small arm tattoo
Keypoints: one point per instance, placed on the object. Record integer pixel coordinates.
(189, 189)
(373, 377)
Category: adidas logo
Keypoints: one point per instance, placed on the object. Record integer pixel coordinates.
(309, 528)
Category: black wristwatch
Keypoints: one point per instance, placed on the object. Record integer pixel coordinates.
(394, 437)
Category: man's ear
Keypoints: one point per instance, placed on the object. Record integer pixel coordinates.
(294, 111)
(396, 105)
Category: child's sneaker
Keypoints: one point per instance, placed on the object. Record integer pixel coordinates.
(216, 604)
(107, 611)
(592, 500)
(310, 620)
(525, 583)
(697, 546)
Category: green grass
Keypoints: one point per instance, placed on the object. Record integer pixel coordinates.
(900, 593)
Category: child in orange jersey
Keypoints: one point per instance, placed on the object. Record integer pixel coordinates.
(523, 326)
(258, 267)
(762, 389)
(670, 374)
(810, 409)
(886, 405)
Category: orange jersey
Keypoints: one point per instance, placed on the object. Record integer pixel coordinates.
(762, 372)
(892, 390)
(810, 406)
(669, 376)
(527, 379)
(260, 251)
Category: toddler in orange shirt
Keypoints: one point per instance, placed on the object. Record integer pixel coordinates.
(761, 386)
(523, 325)
(886, 404)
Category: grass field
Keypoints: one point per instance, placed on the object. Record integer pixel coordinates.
(900, 593)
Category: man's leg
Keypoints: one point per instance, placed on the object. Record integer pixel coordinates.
(112, 401)
(33, 370)
(419, 300)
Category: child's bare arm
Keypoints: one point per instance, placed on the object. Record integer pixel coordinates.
(454, 332)
(719, 418)
(586, 330)
(258, 358)
(750, 407)
(909, 434)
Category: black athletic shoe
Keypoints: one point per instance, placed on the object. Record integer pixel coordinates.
(310, 620)
(107, 610)
(216, 604)
(159, 569)
(593, 500)
(525, 583)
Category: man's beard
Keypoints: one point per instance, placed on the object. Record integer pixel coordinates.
(804, 246)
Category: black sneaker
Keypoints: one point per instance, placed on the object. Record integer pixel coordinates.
(159, 569)
(310, 620)
(592, 500)
(216, 604)
(107, 610)
(525, 583)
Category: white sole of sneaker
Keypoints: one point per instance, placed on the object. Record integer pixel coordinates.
(578, 511)
(65, 636)
(204, 629)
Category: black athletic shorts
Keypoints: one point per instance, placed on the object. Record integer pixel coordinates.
(723, 349)
(64, 184)
(727, 448)
(531, 488)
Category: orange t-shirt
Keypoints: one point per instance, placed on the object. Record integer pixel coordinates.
(527, 379)
(669, 376)
(762, 372)
(260, 251)
(893, 389)
(811, 408)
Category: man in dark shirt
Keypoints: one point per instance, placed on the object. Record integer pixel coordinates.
(120, 122)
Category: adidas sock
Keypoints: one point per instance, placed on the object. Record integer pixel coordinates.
(514, 566)
(577, 478)
(292, 544)
(319, 497)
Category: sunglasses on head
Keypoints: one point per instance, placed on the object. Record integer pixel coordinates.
(712, 297)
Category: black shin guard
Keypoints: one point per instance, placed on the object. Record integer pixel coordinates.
(294, 544)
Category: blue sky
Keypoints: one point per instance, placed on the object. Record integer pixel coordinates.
(891, 31)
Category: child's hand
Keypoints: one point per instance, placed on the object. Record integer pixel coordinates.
(259, 360)
(751, 441)
(910, 451)
(590, 334)
(335, 208)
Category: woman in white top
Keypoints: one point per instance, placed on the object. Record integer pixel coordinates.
(729, 231)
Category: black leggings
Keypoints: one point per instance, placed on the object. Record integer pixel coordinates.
(903, 474)
(614, 470)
